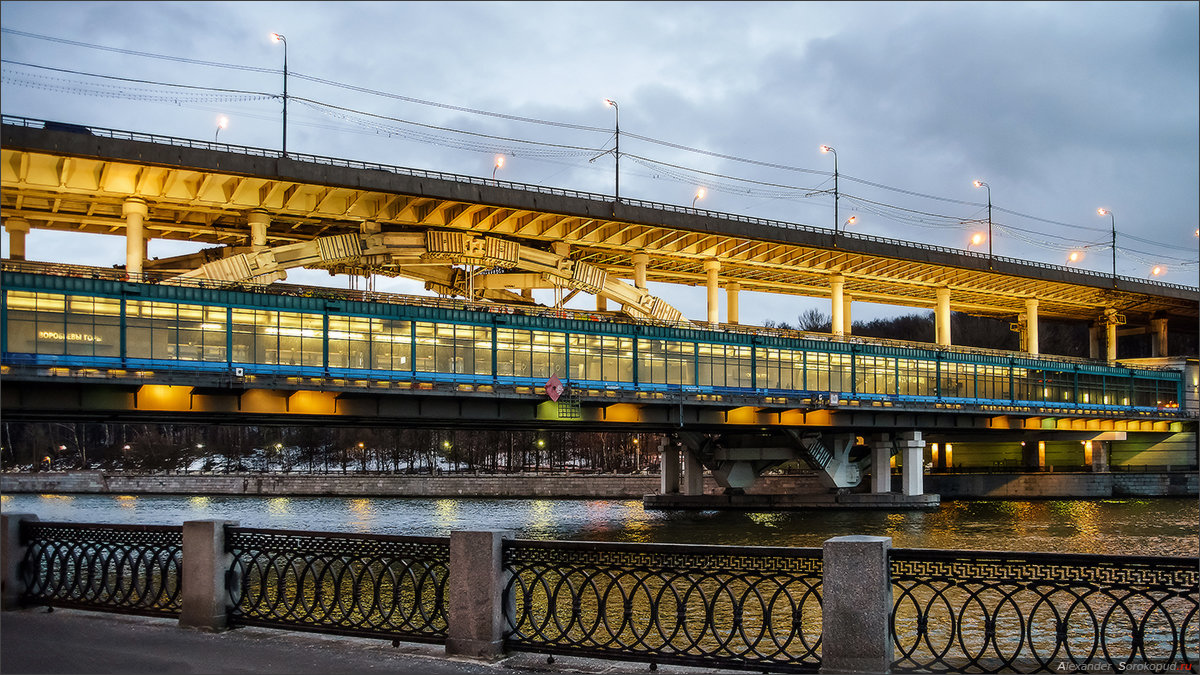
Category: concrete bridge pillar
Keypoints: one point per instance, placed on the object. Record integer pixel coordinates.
(135, 212)
(1158, 337)
(1031, 326)
(837, 284)
(601, 303)
(668, 469)
(693, 474)
(912, 463)
(942, 317)
(881, 461)
(640, 260)
(259, 222)
(1094, 341)
(731, 302)
(17, 228)
(711, 269)
(1110, 341)
(846, 322)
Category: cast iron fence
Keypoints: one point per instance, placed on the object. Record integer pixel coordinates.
(132, 569)
(718, 606)
(366, 585)
(984, 611)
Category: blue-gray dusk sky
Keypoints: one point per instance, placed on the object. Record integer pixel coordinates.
(1061, 108)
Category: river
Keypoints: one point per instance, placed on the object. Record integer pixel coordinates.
(1160, 526)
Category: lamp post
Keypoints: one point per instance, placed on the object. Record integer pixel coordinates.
(616, 148)
(982, 184)
(279, 38)
(1113, 219)
(826, 148)
(699, 195)
(222, 122)
(499, 163)
(849, 221)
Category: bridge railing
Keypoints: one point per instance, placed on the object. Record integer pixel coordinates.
(564, 192)
(853, 604)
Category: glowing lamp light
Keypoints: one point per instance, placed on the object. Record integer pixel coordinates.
(1103, 212)
(1158, 270)
(609, 102)
(276, 37)
(1074, 256)
(978, 183)
(699, 195)
(977, 239)
(826, 148)
(852, 220)
(499, 163)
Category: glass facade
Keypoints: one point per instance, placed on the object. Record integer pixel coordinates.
(81, 329)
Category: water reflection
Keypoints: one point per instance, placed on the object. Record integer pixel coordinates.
(1151, 527)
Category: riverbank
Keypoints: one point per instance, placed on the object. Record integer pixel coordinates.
(1056, 485)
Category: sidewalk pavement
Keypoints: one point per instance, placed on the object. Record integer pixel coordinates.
(74, 642)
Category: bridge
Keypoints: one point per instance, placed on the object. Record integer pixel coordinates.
(216, 335)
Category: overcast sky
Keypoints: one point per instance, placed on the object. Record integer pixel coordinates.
(1060, 107)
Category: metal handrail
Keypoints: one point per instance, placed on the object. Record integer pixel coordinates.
(565, 192)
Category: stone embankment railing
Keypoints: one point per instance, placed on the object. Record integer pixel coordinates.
(853, 605)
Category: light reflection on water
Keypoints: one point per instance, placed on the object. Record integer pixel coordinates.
(1117, 526)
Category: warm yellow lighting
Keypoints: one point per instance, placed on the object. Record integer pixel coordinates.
(851, 220)
(610, 103)
(1158, 269)
(222, 122)
(277, 37)
(1103, 212)
(1074, 256)
(977, 238)
(826, 148)
(700, 192)
(499, 161)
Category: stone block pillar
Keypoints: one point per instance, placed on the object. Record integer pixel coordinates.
(1110, 341)
(17, 228)
(856, 603)
(731, 302)
(12, 552)
(912, 463)
(476, 589)
(669, 469)
(205, 601)
(881, 465)
(693, 474)
(1158, 337)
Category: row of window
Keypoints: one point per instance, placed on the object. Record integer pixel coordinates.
(56, 324)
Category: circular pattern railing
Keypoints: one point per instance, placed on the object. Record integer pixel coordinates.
(133, 569)
(371, 586)
(728, 607)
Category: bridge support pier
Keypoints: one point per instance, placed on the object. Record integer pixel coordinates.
(1158, 337)
(1031, 326)
(912, 462)
(693, 474)
(17, 228)
(711, 270)
(731, 302)
(881, 464)
(837, 284)
(135, 212)
(668, 478)
(942, 317)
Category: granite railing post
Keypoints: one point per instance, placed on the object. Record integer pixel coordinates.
(856, 605)
(476, 589)
(204, 602)
(12, 553)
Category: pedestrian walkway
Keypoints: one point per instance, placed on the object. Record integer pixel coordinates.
(73, 642)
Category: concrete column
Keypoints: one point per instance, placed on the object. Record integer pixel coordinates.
(17, 228)
(135, 211)
(640, 260)
(847, 324)
(693, 474)
(669, 469)
(837, 284)
(1100, 455)
(731, 302)
(912, 459)
(1031, 327)
(1094, 341)
(205, 600)
(856, 603)
(12, 552)
(1158, 337)
(259, 222)
(601, 303)
(881, 465)
(1110, 340)
(711, 269)
(942, 317)
(476, 589)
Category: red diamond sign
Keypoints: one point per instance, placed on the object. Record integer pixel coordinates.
(554, 387)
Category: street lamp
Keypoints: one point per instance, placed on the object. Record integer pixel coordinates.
(1157, 270)
(1111, 217)
(826, 148)
(699, 195)
(222, 122)
(498, 164)
(976, 239)
(1074, 257)
(978, 184)
(279, 38)
(849, 221)
(616, 148)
